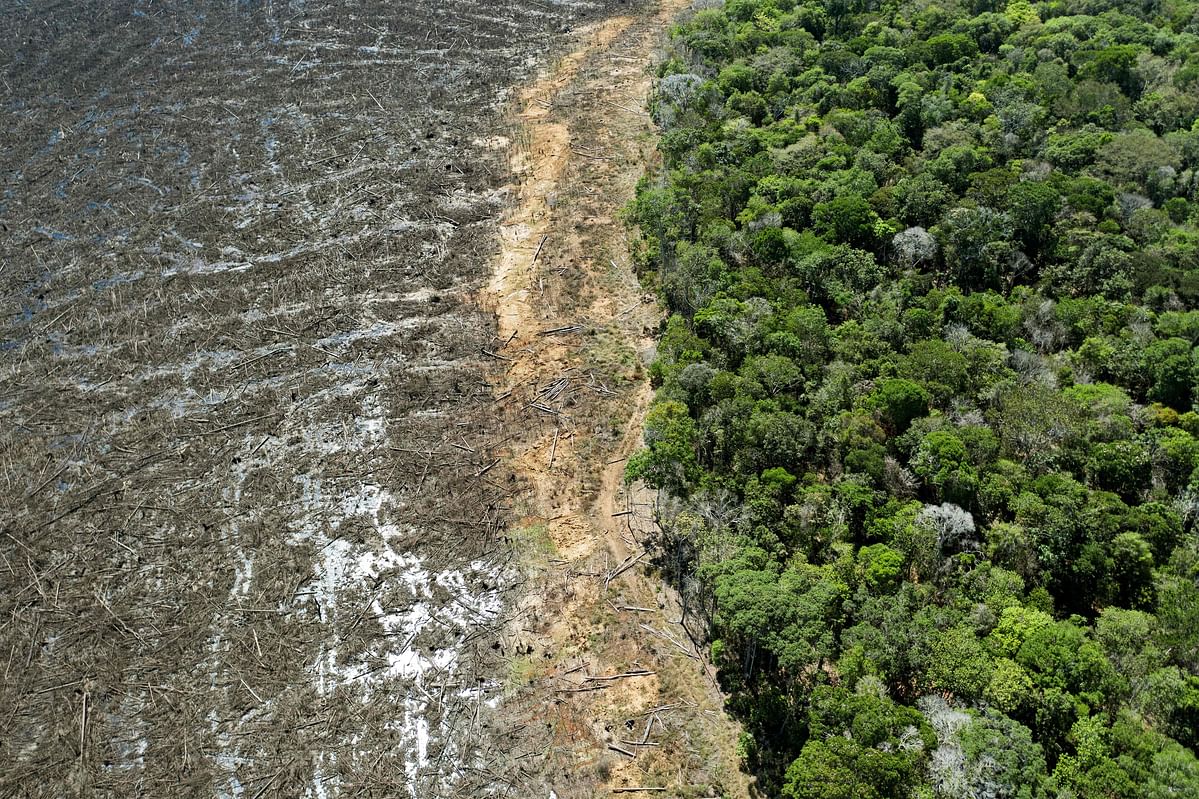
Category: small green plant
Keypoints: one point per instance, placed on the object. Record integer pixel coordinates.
(534, 541)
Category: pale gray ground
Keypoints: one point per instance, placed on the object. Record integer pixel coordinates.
(247, 528)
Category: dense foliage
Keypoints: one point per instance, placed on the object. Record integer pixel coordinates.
(926, 394)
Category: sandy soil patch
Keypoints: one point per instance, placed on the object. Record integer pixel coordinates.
(606, 689)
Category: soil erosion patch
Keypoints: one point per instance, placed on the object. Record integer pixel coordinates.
(605, 690)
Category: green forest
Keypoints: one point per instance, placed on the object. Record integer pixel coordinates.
(925, 430)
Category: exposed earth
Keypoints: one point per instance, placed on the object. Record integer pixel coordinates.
(610, 692)
(319, 354)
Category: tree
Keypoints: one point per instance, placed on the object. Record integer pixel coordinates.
(913, 248)
(691, 278)
(899, 401)
(951, 419)
(1036, 425)
(1002, 761)
(1174, 774)
(839, 277)
(1032, 207)
(1129, 159)
(1120, 466)
(1074, 149)
(1010, 546)
(943, 463)
(860, 746)
(1016, 625)
(786, 617)
(953, 527)
(1178, 607)
(1117, 63)
(938, 367)
(946, 48)
(880, 567)
(1011, 689)
(1169, 366)
(847, 219)
(1092, 772)
(958, 664)
(922, 199)
(976, 245)
(669, 461)
(1132, 572)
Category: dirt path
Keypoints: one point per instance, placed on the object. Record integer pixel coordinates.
(605, 690)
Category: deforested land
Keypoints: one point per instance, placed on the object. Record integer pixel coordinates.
(255, 464)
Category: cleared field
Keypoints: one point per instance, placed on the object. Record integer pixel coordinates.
(247, 496)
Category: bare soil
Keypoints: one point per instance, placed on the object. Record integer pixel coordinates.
(250, 519)
(606, 690)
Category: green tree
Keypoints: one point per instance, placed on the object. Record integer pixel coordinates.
(1169, 367)
(669, 461)
(958, 664)
(1092, 771)
(1132, 571)
(941, 439)
(860, 746)
(880, 567)
(1002, 759)
(899, 401)
(1121, 466)
(943, 462)
(1010, 689)
(977, 249)
(847, 219)
(1032, 207)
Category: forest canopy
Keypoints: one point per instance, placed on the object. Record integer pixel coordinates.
(926, 419)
